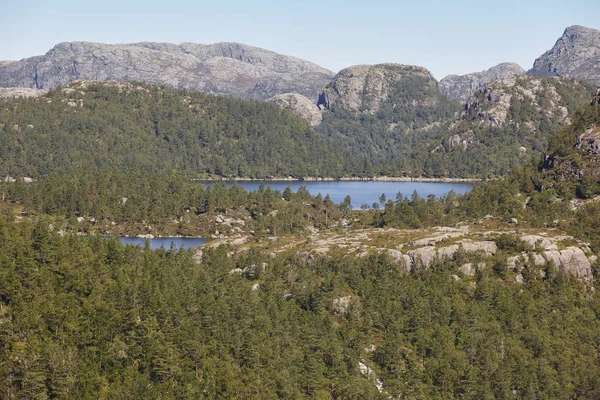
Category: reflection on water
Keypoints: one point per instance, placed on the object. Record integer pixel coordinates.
(362, 192)
(157, 243)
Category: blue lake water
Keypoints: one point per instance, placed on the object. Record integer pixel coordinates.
(363, 192)
(157, 243)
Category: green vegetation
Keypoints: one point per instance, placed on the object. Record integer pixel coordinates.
(112, 202)
(494, 150)
(381, 141)
(88, 318)
(143, 127)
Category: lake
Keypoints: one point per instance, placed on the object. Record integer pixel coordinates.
(362, 192)
(157, 243)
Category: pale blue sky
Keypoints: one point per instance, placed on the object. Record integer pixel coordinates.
(447, 37)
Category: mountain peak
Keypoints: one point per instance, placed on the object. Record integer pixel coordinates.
(575, 54)
(227, 68)
(461, 87)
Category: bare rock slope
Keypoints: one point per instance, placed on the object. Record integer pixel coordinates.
(222, 68)
(461, 87)
(367, 88)
(299, 105)
(575, 54)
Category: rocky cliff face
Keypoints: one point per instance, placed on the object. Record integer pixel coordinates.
(223, 68)
(299, 105)
(523, 100)
(367, 88)
(461, 87)
(576, 54)
(518, 104)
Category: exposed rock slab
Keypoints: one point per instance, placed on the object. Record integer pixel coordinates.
(366, 88)
(299, 105)
(571, 261)
(590, 140)
(461, 87)
(575, 54)
(20, 92)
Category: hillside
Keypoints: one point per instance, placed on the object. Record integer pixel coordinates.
(461, 87)
(476, 296)
(137, 126)
(223, 68)
(379, 112)
(575, 54)
(501, 126)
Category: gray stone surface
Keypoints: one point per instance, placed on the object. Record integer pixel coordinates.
(299, 105)
(571, 261)
(222, 68)
(461, 87)
(575, 54)
(589, 140)
(365, 88)
(20, 92)
(341, 305)
(492, 105)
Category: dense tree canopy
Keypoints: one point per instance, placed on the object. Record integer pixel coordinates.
(142, 127)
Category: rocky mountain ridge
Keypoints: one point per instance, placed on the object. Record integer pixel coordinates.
(501, 126)
(461, 87)
(365, 88)
(223, 68)
(575, 54)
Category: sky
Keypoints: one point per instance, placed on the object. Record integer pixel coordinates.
(446, 37)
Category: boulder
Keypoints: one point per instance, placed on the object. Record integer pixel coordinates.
(422, 257)
(299, 105)
(341, 305)
(571, 261)
(468, 269)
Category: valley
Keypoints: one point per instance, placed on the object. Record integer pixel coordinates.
(372, 233)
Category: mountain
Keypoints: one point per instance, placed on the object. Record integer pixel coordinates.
(575, 54)
(500, 127)
(135, 126)
(369, 88)
(223, 68)
(461, 87)
(378, 112)
(572, 165)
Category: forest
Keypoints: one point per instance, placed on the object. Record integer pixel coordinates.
(149, 128)
(84, 317)
(88, 318)
(134, 126)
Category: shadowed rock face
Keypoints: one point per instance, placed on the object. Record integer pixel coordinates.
(299, 105)
(222, 68)
(461, 87)
(367, 88)
(576, 54)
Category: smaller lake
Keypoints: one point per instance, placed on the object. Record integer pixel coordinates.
(362, 192)
(165, 242)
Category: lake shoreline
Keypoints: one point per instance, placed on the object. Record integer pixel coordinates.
(343, 179)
